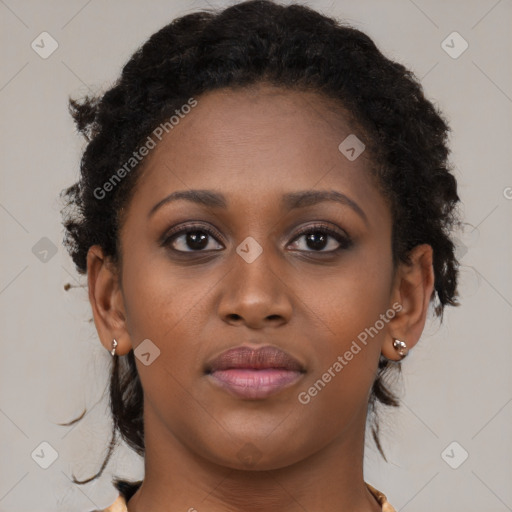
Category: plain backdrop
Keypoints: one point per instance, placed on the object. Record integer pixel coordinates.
(457, 384)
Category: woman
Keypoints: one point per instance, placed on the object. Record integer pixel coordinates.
(312, 173)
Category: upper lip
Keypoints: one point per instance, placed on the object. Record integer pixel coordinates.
(249, 358)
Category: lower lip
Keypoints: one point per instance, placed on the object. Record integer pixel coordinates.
(255, 384)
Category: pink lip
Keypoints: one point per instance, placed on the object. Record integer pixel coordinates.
(255, 384)
(254, 374)
(250, 358)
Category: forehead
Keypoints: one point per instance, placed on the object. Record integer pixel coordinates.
(256, 144)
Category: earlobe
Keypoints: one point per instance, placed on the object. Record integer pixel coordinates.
(106, 301)
(413, 290)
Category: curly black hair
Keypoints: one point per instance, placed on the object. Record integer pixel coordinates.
(292, 47)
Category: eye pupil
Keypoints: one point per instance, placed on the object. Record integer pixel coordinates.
(197, 239)
(317, 239)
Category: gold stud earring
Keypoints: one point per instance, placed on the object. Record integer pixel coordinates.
(401, 348)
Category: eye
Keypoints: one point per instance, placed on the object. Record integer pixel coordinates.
(194, 237)
(317, 239)
(199, 238)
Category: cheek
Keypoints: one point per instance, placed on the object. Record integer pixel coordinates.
(352, 313)
(161, 305)
(351, 299)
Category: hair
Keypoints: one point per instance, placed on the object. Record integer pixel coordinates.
(292, 47)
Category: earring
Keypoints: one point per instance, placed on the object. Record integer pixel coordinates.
(401, 348)
(114, 345)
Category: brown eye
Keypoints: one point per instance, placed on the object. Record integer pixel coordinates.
(192, 239)
(320, 237)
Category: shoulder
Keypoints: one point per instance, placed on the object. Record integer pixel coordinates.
(126, 490)
(381, 499)
(118, 506)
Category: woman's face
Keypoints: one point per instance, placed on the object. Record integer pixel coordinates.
(257, 281)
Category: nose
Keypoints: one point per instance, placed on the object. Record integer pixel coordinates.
(255, 294)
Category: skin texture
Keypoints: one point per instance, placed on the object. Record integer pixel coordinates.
(254, 145)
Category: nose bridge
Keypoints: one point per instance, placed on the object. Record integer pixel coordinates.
(255, 265)
(254, 290)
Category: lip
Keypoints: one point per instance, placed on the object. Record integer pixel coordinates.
(254, 373)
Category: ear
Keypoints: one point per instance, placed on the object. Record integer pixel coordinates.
(106, 300)
(413, 287)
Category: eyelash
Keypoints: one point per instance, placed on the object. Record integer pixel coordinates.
(344, 240)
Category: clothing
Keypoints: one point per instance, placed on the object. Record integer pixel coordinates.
(128, 489)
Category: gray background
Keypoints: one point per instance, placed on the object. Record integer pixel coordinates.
(457, 382)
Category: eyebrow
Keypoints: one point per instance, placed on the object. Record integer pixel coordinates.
(290, 201)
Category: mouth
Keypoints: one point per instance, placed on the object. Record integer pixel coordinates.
(254, 374)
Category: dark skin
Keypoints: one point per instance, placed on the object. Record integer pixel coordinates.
(254, 146)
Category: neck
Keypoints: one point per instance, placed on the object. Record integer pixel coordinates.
(177, 478)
